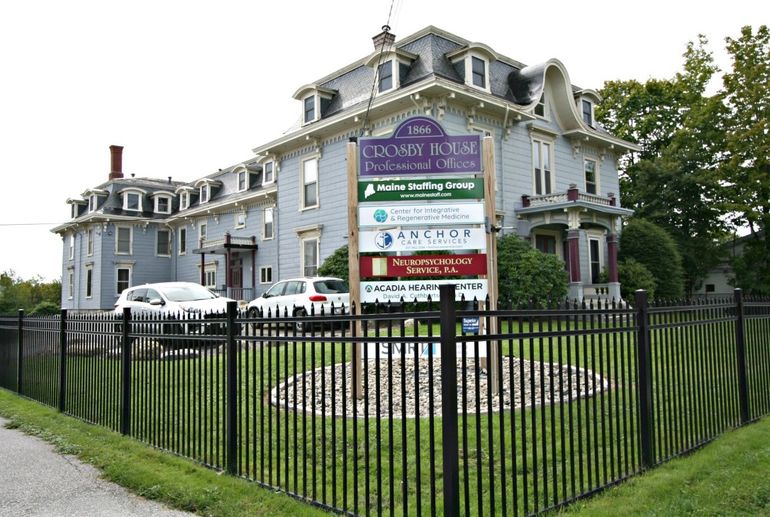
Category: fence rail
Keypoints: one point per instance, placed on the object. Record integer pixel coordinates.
(559, 403)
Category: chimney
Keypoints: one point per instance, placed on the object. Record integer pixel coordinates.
(116, 155)
(383, 39)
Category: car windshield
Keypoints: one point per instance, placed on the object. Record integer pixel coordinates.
(330, 286)
(188, 293)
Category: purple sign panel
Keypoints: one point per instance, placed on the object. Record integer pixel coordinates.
(419, 146)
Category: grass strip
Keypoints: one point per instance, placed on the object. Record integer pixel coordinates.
(729, 476)
(148, 472)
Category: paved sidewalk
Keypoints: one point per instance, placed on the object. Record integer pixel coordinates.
(37, 481)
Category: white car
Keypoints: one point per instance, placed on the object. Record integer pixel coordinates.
(301, 297)
(173, 300)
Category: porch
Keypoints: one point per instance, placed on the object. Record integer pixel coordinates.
(234, 250)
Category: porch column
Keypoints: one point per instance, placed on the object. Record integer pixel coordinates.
(613, 285)
(575, 284)
(228, 265)
(203, 265)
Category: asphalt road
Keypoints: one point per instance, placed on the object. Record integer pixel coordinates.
(37, 481)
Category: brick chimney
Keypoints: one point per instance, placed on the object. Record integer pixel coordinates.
(383, 39)
(116, 160)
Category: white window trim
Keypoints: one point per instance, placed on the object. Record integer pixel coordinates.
(467, 59)
(207, 189)
(72, 247)
(593, 117)
(130, 276)
(309, 236)
(157, 203)
(180, 240)
(601, 239)
(245, 180)
(236, 223)
(264, 223)
(394, 67)
(90, 268)
(90, 234)
(202, 237)
(546, 107)
(70, 283)
(93, 203)
(316, 109)
(130, 240)
(302, 206)
(184, 200)
(157, 241)
(208, 267)
(273, 164)
(262, 270)
(596, 174)
(140, 196)
(543, 139)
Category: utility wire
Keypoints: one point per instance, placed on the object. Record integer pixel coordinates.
(383, 48)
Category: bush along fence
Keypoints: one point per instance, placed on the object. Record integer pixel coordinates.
(541, 407)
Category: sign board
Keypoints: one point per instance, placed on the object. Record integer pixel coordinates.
(471, 325)
(420, 290)
(423, 265)
(421, 190)
(394, 351)
(414, 215)
(419, 146)
(422, 239)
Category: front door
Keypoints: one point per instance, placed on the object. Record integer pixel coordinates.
(236, 270)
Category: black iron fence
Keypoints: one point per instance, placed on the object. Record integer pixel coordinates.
(436, 412)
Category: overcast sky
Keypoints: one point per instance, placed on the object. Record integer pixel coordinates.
(188, 87)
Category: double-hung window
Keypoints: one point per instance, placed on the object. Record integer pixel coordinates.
(202, 231)
(163, 245)
(243, 181)
(203, 196)
(590, 168)
(385, 74)
(184, 200)
(478, 72)
(309, 106)
(72, 246)
(542, 167)
(267, 229)
(90, 242)
(268, 172)
(123, 279)
(309, 184)
(132, 201)
(182, 241)
(123, 238)
(89, 281)
(588, 113)
(162, 205)
(310, 256)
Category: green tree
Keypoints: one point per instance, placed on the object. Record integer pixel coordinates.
(746, 169)
(525, 274)
(672, 180)
(16, 293)
(634, 275)
(650, 245)
(336, 264)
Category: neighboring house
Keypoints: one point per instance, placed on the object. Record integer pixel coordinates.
(281, 213)
(720, 280)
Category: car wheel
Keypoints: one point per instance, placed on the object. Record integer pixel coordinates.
(300, 326)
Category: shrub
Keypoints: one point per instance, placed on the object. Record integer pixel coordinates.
(526, 274)
(652, 247)
(336, 264)
(634, 275)
(45, 309)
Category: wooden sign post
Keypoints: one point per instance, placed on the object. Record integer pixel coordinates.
(354, 278)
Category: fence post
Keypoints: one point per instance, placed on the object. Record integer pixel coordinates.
(125, 360)
(20, 351)
(232, 393)
(63, 360)
(740, 352)
(644, 378)
(451, 467)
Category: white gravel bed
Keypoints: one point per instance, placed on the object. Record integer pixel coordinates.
(534, 389)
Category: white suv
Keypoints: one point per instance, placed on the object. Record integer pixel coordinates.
(300, 297)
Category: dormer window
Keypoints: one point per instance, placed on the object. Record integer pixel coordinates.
(540, 108)
(162, 203)
(205, 191)
(268, 172)
(243, 180)
(315, 101)
(479, 72)
(386, 77)
(392, 67)
(132, 199)
(588, 112)
(184, 200)
(310, 110)
(93, 202)
(472, 64)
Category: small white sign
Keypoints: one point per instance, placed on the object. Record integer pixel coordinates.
(420, 215)
(420, 290)
(393, 351)
(422, 239)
